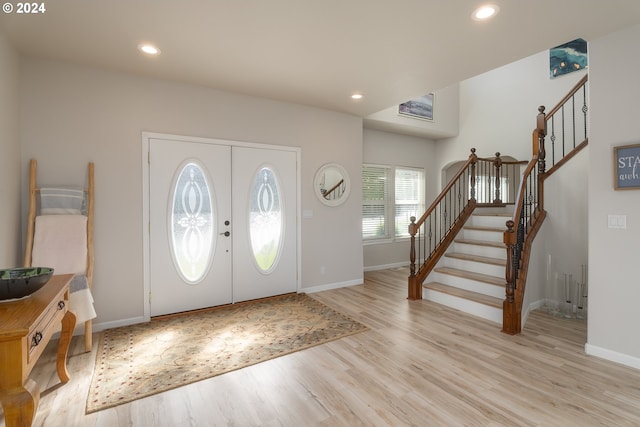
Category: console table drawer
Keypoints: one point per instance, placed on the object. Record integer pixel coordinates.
(42, 331)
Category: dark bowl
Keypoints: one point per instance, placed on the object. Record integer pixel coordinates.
(21, 282)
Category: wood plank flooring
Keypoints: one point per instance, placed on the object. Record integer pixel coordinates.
(420, 364)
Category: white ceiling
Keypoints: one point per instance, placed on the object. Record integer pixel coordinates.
(312, 52)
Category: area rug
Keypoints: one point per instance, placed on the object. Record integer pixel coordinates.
(141, 360)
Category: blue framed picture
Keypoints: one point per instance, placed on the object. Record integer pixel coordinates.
(568, 57)
(627, 167)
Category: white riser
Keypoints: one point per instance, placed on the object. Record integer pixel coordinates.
(476, 267)
(491, 252)
(467, 284)
(487, 236)
(475, 308)
(481, 310)
(489, 221)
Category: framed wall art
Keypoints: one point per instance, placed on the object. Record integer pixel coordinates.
(626, 166)
(419, 108)
(568, 57)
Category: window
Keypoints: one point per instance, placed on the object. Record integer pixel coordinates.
(391, 196)
(375, 201)
(409, 198)
(486, 189)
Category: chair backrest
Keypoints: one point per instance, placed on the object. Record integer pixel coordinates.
(60, 242)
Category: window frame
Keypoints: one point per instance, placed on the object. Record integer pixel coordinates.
(390, 221)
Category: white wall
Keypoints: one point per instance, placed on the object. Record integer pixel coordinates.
(613, 253)
(10, 158)
(498, 109)
(445, 117)
(74, 114)
(561, 244)
(397, 150)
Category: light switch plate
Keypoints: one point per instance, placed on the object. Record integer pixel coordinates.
(617, 221)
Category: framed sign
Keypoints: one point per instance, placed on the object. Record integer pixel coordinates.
(627, 167)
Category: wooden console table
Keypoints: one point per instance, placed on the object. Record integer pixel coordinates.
(26, 326)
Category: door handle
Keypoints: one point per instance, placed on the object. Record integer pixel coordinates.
(226, 233)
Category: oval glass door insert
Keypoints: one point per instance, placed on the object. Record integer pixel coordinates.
(192, 224)
(265, 219)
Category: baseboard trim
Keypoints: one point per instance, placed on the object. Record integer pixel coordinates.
(612, 356)
(99, 327)
(330, 286)
(533, 306)
(386, 266)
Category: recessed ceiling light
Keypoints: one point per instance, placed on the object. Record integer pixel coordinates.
(485, 12)
(149, 49)
(357, 96)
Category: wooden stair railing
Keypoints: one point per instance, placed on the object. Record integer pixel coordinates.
(477, 183)
(334, 192)
(529, 212)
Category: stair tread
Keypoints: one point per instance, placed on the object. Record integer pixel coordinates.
(481, 243)
(485, 228)
(461, 293)
(477, 258)
(485, 278)
(504, 214)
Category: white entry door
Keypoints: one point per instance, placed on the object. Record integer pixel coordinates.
(264, 232)
(223, 225)
(189, 215)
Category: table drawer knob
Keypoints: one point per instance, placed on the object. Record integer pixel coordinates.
(37, 337)
(61, 305)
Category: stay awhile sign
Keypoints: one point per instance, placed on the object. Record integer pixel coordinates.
(627, 167)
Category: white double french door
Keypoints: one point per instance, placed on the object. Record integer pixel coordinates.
(222, 224)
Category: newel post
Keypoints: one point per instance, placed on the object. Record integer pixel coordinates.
(497, 163)
(510, 320)
(415, 288)
(541, 127)
(474, 160)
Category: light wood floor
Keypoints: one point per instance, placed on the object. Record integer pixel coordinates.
(420, 364)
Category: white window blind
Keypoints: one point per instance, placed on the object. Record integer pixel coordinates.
(375, 201)
(409, 198)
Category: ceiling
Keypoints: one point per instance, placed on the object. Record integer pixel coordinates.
(315, 53)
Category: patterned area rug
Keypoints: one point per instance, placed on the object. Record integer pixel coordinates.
(141, 360)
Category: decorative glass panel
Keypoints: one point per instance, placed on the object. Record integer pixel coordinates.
(192, 224)
(265, 219)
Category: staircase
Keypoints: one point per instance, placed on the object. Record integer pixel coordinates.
(471, 275)
(457, 247)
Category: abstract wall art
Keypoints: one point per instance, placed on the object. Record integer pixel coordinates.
(568, 57)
